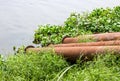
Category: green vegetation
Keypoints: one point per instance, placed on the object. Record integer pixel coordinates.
(99, 20)
(47, 66)
(103, 68)
(31, 67)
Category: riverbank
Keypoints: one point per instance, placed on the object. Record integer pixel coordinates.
(48, 66)
(19, 18)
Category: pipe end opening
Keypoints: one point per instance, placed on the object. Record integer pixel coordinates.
(30, 46)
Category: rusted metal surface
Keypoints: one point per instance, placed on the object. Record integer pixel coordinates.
(72, 53)
(70, 40)
(100, 43)
(107, 36)
(39, 49)
(94, 37)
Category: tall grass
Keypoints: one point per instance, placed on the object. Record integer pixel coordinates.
(103, 68)
(33, 67)
(47, 66)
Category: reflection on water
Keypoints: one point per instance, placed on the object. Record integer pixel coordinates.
(19, 18)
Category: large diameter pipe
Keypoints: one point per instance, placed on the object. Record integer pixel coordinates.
(93, 37)
(72, 53)
(100, 43)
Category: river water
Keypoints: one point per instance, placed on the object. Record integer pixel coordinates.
(19, 18)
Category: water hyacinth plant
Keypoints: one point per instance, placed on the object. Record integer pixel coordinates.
(99, 20)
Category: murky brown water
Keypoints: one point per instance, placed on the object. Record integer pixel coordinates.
(19, 18)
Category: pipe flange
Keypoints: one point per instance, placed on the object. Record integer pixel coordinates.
(30, 46)
(64, 38)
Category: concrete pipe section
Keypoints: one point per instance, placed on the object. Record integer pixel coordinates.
(72, 53)
(100, 43)
(93, 37)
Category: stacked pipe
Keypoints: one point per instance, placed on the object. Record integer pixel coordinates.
(100, 43)
(94, 37)
(72, 49)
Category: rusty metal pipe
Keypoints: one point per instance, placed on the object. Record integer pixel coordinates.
(100, 43)
(94, 37)
(72, 53)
